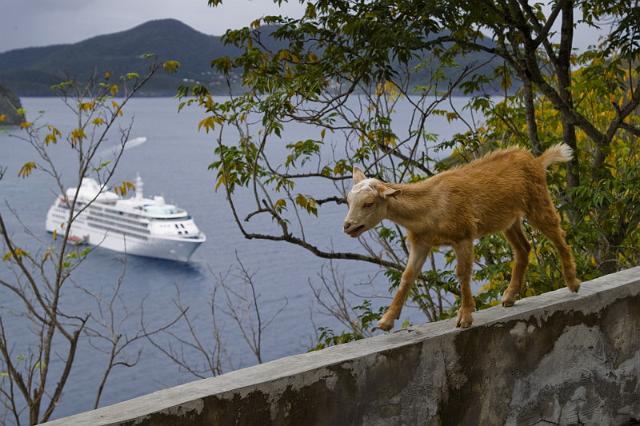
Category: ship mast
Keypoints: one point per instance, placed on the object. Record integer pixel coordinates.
(139, 188)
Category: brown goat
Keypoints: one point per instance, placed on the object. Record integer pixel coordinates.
(455, 207)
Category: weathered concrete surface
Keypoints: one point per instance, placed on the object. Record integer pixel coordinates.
(559, 358)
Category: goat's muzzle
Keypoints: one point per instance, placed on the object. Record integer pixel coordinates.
(351, 230)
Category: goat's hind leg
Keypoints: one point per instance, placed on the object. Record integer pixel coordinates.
(521, 249)
(547, 221)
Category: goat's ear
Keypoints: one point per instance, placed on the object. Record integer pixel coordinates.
(385, 191)
(390, 192)
(358, 176)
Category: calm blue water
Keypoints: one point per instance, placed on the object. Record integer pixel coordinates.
(174, 163)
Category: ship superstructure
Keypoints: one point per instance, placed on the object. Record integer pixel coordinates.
(137, 225)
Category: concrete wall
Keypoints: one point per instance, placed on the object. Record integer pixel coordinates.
(559, 358)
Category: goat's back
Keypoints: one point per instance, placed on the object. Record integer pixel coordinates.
(490, 193)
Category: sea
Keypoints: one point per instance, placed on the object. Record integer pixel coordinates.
(173, 162)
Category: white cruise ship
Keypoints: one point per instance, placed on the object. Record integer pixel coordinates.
(137, 225)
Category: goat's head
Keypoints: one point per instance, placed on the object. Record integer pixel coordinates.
(367, 201)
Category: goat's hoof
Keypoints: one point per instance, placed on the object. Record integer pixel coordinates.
(463, 323)
(385, 324)
(574, 286)
(508, 299)
(464, 319)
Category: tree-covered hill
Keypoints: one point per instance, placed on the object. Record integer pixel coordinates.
(32, 71)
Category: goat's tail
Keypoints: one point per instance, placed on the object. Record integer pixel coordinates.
(560, 153)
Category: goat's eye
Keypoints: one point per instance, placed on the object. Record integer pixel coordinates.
(367, 205)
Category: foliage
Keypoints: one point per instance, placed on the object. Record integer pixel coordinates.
(603, 210)
(341, 70)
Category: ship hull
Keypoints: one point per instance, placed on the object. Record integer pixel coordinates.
(179, 250)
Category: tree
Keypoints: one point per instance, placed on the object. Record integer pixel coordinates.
(344, 66)
(33, 378)
(526, 40)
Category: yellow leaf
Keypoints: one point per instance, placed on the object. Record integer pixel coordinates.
(17, 253)
(98, 121)
(280, 204)
(87, 106)
(27, 168)
(209, 102)
(53, 136)
(107, 75)
(3, 118)
(283, 55)
(389, 141)
(221, 181)
(25, 125)
(171, 66)
(77, 135)
(113, 89)
(116, 108)
(307, 203)
(209, 123)
(125, 187)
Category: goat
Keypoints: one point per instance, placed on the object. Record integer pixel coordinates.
(488, 195)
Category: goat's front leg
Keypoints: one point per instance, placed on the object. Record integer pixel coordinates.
(464, 258)
(417, 255)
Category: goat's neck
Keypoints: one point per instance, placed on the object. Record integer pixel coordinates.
(412, 206)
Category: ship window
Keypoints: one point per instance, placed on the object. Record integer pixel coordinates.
(180, 232)
(177, 227)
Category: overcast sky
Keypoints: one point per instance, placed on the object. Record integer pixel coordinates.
(25, 23)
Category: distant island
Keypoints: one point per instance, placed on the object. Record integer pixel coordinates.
(9, 106)
(32, 71)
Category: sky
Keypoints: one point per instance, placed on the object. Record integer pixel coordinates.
(26, 23)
